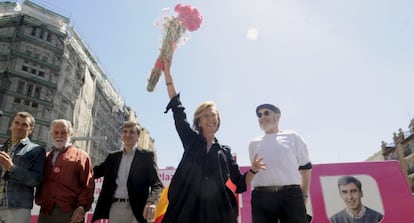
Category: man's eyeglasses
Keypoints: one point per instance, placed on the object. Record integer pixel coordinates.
(265, 113)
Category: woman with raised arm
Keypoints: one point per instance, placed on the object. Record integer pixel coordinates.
(198, 190)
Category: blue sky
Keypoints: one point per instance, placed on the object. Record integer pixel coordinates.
(340, 71)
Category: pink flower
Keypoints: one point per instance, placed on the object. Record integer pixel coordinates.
(189, 17)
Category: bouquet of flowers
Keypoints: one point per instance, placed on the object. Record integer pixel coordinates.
(174, 28)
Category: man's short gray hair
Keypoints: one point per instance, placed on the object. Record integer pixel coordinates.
(64, 121)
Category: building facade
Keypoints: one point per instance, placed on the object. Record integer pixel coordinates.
(47, 70)
(402, 149)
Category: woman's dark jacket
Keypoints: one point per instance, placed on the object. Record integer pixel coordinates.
(198, 191)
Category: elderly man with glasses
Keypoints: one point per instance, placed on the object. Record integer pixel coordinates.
(281, 190)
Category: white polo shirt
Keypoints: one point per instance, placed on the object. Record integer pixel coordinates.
(283, 153)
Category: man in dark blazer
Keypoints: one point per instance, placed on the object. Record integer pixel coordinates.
(131, 186)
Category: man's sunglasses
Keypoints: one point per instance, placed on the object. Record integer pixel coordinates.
(265, 113)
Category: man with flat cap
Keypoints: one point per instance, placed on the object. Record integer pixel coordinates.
(282, 189)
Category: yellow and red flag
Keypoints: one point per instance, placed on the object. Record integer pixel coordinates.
(162, 206)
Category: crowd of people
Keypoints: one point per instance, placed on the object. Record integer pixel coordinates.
(61, 181)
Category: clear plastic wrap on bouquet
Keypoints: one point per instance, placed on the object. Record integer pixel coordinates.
(174, 34)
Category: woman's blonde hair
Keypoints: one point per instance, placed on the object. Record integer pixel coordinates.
(201, 108)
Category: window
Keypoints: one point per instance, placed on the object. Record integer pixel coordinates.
(20, 87)
(411, 146)
(33, 71)
(37, 92)
(410, 166)
(29, 90)
(48, 37)
(33, 33)
(17, 100)
(41, 73)
(35, 105)
(394, 155)
(25, 68)
(407, 150)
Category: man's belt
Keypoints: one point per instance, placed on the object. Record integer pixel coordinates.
(276, 188)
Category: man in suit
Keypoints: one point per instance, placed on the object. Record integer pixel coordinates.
(131, 187)
(21, 170)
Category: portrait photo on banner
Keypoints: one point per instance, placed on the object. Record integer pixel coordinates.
(334, 202)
